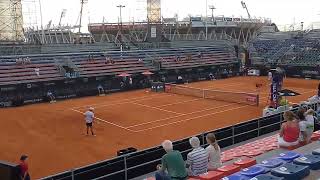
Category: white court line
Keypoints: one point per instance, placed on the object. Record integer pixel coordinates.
(127, 99)
(197, 99)
(105, 121)
(164, 119)
(142, 99)
(189, 119)
(143, 105)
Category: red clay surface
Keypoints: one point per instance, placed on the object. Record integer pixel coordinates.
(53, 135)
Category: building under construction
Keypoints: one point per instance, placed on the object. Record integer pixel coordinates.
(11, 21)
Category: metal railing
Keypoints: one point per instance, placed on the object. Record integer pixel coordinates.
(227, 136)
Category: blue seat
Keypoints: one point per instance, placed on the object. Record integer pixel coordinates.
(236, 176)
(313, 161)
(316, 151)
(252, 171)
(289, 156)
(291, 171)
(272, 163)
(266, 177)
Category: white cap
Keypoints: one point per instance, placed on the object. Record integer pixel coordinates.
(91, 109)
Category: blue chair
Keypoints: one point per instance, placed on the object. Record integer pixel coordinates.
(316, 151)
(236, 176)
(266, 177)
(272, 163)
(289, 156)
(252, 171)
(313, 161)
(291, 171)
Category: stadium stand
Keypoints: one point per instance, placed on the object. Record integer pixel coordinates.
(298, 50)
(44, 72)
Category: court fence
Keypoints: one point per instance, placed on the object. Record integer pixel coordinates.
(143, 162)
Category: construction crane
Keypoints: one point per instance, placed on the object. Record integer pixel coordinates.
(63, 14)
(81, 12)
(244, 6)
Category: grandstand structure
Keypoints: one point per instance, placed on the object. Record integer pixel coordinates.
(297, 52)
(192, 28)
(59, 68)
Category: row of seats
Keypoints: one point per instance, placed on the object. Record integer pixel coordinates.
(285, 166)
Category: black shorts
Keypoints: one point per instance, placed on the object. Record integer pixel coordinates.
(89, 124)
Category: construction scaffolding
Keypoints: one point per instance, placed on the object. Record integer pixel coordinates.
(11, 21)
(154, 11)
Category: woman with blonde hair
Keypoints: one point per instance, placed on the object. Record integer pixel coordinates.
(289, 132)
(214, 152)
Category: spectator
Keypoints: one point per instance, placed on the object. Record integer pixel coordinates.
(37, 71)
(214, 152)
(306, 126)
(24, 168)
(289, 132)
(172, 166)
(50, 96)
(302, 125)
(197, 159)
(100, 90)
(130, 82)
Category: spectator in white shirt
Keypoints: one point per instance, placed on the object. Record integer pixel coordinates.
(214, 152)
(197, 159)
(37, 71)
(89, 116)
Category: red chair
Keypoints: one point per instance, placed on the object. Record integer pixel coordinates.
(193, 178)
(229, 169)
(212, 175)
(253, 153)
(245, 162)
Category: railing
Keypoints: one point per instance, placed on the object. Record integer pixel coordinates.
(140, 163)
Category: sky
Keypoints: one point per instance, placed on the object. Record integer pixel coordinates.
(282, 12)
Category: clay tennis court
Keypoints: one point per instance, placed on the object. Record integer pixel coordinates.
(53, 135)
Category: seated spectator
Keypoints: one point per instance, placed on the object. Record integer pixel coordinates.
(24, 168)
(50, 96)
(197, 159)
(289, 132)
(306, 126)
(37, 71)
(214, 152)
(27, 60)
(179, 80)
(172, 165)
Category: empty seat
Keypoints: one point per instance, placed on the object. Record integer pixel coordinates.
(316, 151)
(289, 156)
(266, 177)
(253, 171)
(212, 175)
(229, 169)
(313, 161)
(272, 163)
(245, 162)
(291, 171)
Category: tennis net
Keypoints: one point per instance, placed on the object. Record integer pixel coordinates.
(227, 96)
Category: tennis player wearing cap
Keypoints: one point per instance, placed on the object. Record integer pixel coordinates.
(89, 116)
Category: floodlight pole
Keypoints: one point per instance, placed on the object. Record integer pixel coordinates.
(120, 18)
(206, 20)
